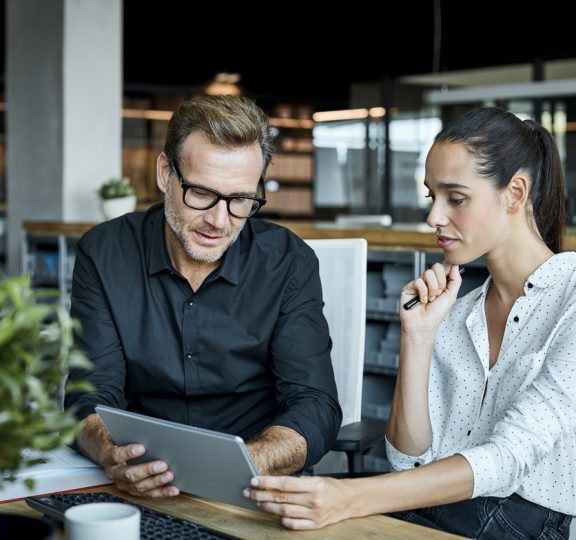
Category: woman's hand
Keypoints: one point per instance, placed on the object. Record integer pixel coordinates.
(303, 502)
(437, 289)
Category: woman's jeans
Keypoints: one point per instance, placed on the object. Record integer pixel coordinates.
(493, 518)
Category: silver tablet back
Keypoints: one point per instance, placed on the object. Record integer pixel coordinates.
(204, 462)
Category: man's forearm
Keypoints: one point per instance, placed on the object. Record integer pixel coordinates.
(93, 437)
(278, 450)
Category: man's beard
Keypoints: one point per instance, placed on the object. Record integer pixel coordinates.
(180, 231)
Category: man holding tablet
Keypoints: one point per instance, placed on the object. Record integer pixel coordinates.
(198, 313)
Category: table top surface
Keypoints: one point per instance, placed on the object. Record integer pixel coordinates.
(401, 235)
(247, 524)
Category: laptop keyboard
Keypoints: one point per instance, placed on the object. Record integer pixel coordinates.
(154, 525)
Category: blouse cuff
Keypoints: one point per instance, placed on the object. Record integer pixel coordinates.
(400, 461)
(486, 478)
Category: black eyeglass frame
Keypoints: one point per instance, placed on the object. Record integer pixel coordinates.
(185, 185)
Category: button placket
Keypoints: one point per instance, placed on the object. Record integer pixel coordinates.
(190, 343)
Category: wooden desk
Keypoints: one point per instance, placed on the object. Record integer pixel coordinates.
(255, 525)
(406, 236)
(411, 236)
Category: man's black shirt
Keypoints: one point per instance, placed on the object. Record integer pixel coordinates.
(249, 349)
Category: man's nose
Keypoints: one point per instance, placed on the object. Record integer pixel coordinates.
(218, 215)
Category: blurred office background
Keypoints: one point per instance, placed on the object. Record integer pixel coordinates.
(355, 95)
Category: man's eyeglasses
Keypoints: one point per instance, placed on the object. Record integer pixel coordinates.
(202, 198)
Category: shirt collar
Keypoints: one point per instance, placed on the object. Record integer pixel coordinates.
(549, 272)
(546, 275)
(230, 267)
(158, 259)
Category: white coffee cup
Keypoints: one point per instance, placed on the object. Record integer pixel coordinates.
(102, 521)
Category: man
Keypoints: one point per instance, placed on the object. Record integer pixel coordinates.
(195, 313)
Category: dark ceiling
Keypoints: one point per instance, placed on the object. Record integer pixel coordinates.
(312, 51)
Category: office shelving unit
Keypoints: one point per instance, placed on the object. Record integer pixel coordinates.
(48, 255)
(292, 165)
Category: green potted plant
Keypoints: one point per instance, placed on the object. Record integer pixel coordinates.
(117, 197)
(36, 352)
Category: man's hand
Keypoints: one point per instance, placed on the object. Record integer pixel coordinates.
(150, 479)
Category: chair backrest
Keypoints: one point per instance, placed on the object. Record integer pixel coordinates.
(343, 271)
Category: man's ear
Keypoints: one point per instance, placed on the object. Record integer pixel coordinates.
(517, 193)
(162, 172)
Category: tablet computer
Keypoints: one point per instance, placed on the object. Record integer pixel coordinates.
(204, 462)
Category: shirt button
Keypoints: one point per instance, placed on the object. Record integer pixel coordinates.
(417, 464)
(516, 319)
(469, 431)
(190, 303)
(189, 356)
(530, 285)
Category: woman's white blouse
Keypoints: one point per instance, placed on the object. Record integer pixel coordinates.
(515, 423)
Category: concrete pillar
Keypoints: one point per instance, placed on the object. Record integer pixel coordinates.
(63, 84)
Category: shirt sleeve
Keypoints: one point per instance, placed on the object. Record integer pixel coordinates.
(302, 365)
(399, 461)
(98, 338)
(535, 426)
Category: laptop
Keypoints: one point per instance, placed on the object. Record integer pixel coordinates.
(204, 462)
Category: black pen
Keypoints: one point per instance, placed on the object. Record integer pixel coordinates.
(416, 300)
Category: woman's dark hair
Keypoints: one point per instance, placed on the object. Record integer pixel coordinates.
(503, 144)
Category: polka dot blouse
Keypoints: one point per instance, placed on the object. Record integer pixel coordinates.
(514, 423)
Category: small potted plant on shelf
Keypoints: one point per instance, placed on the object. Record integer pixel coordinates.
(36, 352)
(117, 197)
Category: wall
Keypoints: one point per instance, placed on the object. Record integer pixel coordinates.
(63, 110)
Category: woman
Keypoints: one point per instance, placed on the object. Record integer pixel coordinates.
(482, 432)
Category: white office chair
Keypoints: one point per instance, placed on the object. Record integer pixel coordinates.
(343, 273)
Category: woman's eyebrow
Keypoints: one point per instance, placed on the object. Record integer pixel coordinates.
(448, 185)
